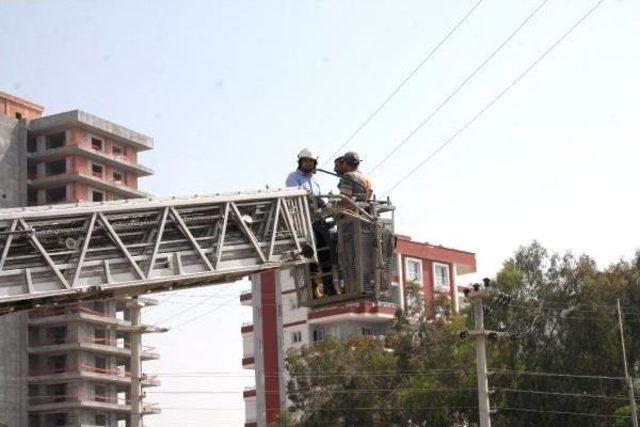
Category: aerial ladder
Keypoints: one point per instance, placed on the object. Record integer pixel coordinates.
(340, 250)
(49, 255)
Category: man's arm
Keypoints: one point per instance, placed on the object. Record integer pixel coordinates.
(292, 180)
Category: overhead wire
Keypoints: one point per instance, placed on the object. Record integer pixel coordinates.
(459, 87)
(403, 82)
(547, 411)
(193, 319)
(495, 99)
(186, 310)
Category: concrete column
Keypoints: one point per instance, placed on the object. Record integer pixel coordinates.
(136, 365)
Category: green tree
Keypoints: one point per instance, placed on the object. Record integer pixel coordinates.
(560, 314)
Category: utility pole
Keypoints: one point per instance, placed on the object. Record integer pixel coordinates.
(477, 294)
(632, 397)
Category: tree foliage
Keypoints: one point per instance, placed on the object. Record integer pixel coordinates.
(561, 318)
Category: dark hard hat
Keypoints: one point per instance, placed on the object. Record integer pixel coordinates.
(351, 157)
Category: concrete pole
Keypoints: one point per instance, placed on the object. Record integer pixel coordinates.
(632, 397)
(481, 362)
(136, 365)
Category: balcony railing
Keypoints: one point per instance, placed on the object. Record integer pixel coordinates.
(68, 309)
(92, 397)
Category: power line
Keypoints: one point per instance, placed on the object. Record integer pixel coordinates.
(500, 95)
(193, 319)
(554, 393)
(186, 310)
(459, 87)
(402, 83)
(553, 374)
(547, 411)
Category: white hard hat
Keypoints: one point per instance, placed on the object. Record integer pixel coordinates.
(305, 153)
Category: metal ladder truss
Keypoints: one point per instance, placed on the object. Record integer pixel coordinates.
(64, 253)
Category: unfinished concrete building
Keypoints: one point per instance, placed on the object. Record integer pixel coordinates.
(68, 365)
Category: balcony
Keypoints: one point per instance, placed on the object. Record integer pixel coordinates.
(248, 363)
(113, 160)
(60, 402)
(85, 371)
(250, 410)
(246, 298)
(79, 312)
(87, 178)
(96, 345)
(363, 310)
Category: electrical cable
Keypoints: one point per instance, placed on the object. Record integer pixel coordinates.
(496, 99)
(546, 411)
(459, 87)
(402, 83)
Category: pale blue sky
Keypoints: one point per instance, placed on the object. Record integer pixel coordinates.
(231, 90)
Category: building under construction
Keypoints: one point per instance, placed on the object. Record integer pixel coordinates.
(69, 365)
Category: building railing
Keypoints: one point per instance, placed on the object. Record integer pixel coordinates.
(78, 397)
(67, 309)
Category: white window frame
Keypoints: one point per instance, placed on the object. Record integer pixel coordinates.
(406, 269)
(296, 337)
(319, 333)
(440, 287)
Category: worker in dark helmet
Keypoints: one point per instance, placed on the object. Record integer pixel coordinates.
(354, 183)
(303, 176)
(338, 165)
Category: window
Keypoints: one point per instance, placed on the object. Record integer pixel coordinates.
(99, 306)
(32, 196)
(55, 140)
(318, 336)
(57, 167)
(18, 116)
(293, 303)
(118, 177)
(101, 420)
(441, 279)
(32, 169)
(96, 144)
(100, 336)
(33, 390)
(97, 196)
(59, 392)
(34, 419)
(32, 143)
(367, 332)
(56, 364)
(100, 393)
(57, 334)
(414, 270)
(56, 420)
(296, 337)
(55, 195)
(119, 150)
(97, 170)
(101, 362)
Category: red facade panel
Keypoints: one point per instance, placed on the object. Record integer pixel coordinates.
(270, 345)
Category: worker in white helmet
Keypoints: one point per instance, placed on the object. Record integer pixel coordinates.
(303, 176)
